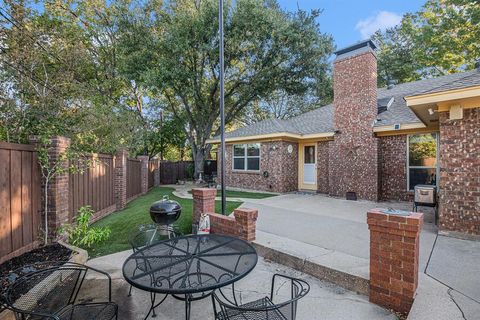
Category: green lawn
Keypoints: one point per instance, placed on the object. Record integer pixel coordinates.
(244, 194)
(124, 222)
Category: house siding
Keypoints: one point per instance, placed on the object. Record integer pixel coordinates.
(460, 173)
(282, 168)
(393, 168)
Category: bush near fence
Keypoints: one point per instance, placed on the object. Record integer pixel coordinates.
(99, 186)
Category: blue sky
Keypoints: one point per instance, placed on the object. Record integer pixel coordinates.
(349, 21)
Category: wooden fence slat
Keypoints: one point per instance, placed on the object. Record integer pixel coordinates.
(5, 221)
(16, 198)
(27, 198)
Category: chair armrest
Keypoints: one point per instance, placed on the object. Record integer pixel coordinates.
(299, 283)
(107, 276)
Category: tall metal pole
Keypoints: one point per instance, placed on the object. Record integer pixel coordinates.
(222, 104)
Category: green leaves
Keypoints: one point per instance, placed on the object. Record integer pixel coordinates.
(81, 234)
(173, 50)
(440, 38)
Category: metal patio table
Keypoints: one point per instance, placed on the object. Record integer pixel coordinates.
(189, 268)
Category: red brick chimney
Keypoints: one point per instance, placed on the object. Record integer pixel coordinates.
(354, 151)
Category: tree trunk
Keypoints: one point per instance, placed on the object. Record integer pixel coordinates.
(199, 158)
(47, 180)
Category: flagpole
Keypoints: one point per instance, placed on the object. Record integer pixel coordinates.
(222, 105)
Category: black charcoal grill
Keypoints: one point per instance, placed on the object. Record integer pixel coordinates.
(165, 212)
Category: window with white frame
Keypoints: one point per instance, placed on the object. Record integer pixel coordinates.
(422, 165)
(246, 157)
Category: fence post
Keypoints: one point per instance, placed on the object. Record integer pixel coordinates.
(120, 186)
(143, 173)
(58, 189)
(394, 252)
(156, 173)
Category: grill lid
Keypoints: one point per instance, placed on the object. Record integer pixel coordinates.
(165, 206)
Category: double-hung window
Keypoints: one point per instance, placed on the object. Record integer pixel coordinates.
(422, 159)
(246, 157)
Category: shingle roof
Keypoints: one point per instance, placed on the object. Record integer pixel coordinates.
(321, 120)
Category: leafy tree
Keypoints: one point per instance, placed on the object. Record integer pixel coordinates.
(173, 48)
(440, 38)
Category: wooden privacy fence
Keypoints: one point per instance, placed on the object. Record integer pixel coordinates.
(106, 185)
(171, 172)
(94, 186)
(134, 173)
(20, 199)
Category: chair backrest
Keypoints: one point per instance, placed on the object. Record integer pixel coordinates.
(266, 308)
(46, 291)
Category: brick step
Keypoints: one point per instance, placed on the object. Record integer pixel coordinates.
(342, 269)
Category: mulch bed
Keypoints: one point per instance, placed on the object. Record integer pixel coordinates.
(16, 267)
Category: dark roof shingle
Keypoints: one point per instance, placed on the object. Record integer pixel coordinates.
(321, 120)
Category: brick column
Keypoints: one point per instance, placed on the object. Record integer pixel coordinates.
(203, 202)
(58, 187)
(120, 187)
(143, 173)
(394, 251)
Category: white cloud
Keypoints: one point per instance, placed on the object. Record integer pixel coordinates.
(382, 20)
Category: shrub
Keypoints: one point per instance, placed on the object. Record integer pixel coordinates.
(80, 234)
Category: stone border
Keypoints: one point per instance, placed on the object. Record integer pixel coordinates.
(79, 255)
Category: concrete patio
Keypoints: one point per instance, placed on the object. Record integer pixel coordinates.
(324, 301)
(329, 237)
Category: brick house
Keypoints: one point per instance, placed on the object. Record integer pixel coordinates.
(376, 142)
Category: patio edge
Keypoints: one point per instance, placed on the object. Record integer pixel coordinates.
(348, 281)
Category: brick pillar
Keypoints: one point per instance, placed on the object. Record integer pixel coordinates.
(247, 219)
(203, 202)
(121, 179)
(143, 173)
(394, 251)
(156, 173)
(58, 187)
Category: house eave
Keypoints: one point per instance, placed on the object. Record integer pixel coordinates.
(278, 135)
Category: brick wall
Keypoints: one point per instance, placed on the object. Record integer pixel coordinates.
(282, 169)
(322, 167)
(241, 224)
(394, 258)
(393, 168)
(460, 173)
(354, 151)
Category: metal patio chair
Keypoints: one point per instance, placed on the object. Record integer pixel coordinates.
(263, 308)
(57, 293)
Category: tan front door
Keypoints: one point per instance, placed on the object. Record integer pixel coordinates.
(307, 171)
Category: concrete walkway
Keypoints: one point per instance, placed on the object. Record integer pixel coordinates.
(183, 191)
(325, 301)
(314, 232)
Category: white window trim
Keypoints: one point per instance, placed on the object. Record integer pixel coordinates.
(245, 157)
(437, 167)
